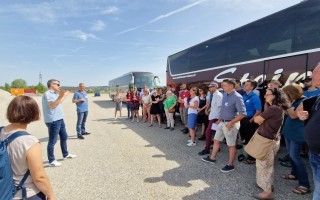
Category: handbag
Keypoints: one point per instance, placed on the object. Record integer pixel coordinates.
(172, 110)
(259, 146)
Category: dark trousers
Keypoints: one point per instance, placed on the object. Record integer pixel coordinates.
(247, 130)
(209, 133)
(299, 167)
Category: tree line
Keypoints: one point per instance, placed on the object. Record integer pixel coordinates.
(20, 83)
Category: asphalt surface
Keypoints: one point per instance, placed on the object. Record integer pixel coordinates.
(124, 160)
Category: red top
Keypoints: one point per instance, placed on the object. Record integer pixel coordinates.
(128, 97)
(184, 94)
(135, 99)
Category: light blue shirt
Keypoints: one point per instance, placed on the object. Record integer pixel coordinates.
(83, 105)
(51, 115)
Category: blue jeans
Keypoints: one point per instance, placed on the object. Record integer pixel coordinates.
(128, 109)
(315, 165)
(299, 168)
(57, 128)
(81, 122)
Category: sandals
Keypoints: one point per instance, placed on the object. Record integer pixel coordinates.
(249, 162)
(241, 157)
(150, 125)
(301, 190)
(288, 177)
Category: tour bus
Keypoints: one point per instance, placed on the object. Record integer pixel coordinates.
(284, 46)
(130, 80)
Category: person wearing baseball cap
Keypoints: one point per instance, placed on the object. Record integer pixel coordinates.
(309, 89)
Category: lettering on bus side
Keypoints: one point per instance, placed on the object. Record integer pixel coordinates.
(293, 77)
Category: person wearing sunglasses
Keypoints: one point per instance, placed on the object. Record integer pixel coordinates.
(53, 117)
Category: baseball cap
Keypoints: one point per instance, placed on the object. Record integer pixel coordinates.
(307, 79)
(213, 84)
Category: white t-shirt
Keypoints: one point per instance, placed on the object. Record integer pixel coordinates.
(146, 99)
(17, 150)
(216, 104)
(191, 103)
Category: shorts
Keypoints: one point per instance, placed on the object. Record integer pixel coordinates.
(192, 120)
(223, 132)
(118, 106)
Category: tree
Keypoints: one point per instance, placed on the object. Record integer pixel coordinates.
(41, 88)
(19, 83)
(7, 87)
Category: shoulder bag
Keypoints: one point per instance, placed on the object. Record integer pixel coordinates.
(259, 146)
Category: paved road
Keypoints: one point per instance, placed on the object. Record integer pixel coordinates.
(123, 160)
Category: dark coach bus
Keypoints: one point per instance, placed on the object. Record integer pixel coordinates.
(284, 46)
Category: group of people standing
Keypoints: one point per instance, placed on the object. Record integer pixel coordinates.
(290, 111)
(155, 106)
(235, 113)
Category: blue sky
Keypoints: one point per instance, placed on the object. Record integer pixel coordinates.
(93, 41)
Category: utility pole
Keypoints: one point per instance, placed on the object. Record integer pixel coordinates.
(40, 78)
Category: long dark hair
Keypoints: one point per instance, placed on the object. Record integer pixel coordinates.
(280, 98)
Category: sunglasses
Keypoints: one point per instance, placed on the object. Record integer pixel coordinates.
(57, 84)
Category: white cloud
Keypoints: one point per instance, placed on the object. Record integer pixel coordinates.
(164, 16)
(110, 10)
(98, 26)
(176, 11)
(82, 35)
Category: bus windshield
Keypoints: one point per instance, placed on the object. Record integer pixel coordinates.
(140, 80)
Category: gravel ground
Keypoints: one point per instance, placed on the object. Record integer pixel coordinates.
(123, 160)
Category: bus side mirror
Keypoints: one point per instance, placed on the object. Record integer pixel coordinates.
(156, 77)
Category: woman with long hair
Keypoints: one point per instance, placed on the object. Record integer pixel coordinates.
(146, 103)
(270, 122)
(202, 117)
(25, 151)
(135, 104)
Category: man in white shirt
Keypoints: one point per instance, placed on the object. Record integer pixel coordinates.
(214, 112)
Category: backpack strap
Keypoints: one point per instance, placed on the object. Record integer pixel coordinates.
(20, 186)
(14, 136)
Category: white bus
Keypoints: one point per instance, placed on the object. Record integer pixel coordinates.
(130, 80)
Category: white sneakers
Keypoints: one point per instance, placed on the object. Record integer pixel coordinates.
(192, 144)
(55, 163)
(70, 156)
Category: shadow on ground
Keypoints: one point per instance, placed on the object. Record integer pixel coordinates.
(239, 184)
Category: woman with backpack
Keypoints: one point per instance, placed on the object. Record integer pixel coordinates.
(25, 151)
